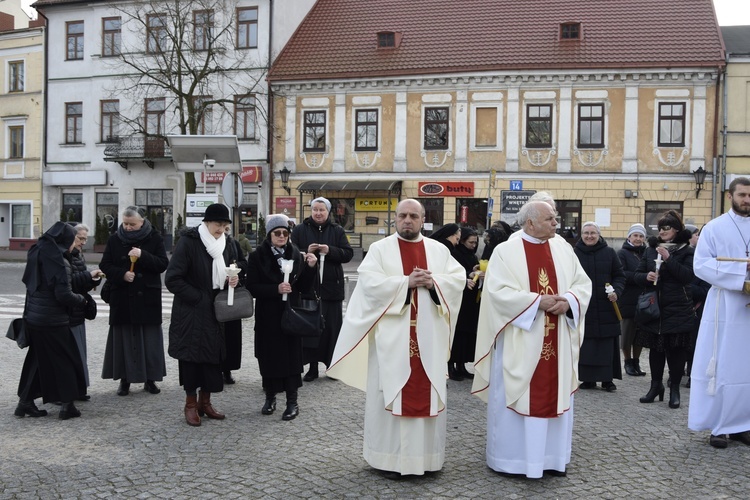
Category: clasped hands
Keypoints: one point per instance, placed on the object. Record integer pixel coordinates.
(554, 304)
(421, 277)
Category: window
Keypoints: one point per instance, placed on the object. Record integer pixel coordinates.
(155, 111)
(342, 212)
(570, 31)
(111, 36)
(671, 124)
(15, 135)
(244, 117)
(203, 114)
(486, 127)
(386, 40)
(569, 219)
(73, 122)
(655, 210)
(72, 207)
(366, 126)
(433, 213)
(539, 126)
(74, 31)
(110, 120)
(106, 209)
(203, 25)
(156, 33)
(591, 125)
(21, 221)
(247, 28)
(315, 131)
(436, 128)
(158, 204)
(15, 76)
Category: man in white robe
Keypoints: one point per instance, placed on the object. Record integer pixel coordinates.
(720, 374)
(530, 332)
(395, 343)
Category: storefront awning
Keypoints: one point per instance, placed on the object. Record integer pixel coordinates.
(392, 186)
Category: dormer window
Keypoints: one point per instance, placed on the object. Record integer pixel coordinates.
(388, 39)
(570, 31)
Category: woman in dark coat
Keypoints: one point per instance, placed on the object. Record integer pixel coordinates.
(465, 338)
(600, 353)
(135, 343)
(196, 274)
(630, 257)
(279, 356)
(497, 233)
(82, 281)
(52, 369)
(319, 235)
(233, 329)
(448, 235)
(668, 337)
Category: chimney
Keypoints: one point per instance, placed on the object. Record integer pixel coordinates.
(7, 22)
(39, 22)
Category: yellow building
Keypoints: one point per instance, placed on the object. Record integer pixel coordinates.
(470, 110)
(21, 135)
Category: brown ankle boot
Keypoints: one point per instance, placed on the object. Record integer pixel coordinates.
(191, 411)
(204, 406)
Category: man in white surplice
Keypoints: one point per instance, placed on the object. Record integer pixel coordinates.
(395, 343)
(720, 375)
(530, 331)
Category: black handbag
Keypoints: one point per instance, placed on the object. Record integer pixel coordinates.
(17, 332)
(90, 311)
(302, 318)
(647, 307)
(241, 308)
(106, 291)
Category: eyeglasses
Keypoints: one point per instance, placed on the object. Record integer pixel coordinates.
(82, 238)
(665, 228)
(280, 233)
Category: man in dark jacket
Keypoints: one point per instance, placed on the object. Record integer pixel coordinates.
(327, 240)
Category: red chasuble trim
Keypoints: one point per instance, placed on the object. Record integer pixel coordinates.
(544, 382)
(415, 395)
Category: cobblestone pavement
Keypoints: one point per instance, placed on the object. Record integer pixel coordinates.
(139, 446)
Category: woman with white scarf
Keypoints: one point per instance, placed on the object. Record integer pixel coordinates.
(196, 274)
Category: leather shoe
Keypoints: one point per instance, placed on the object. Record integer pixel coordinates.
(150, 386)
(269, 407)
(68, 410)
(609, 386)
(555, 473)
(228, 379)
(742, 437)
(124, 388)
(85, 397)
(719, 441)
(291, 412)
(310, 375)
(29, 408)
(587, 385)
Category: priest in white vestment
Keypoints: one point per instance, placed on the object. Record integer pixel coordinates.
(720, 375)
(395, 343)
(531, 324)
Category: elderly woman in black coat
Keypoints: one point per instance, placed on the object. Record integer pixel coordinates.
(600, 354)
(279, 356)
(133, 261)
(52, 369)
(668, 337)
(196, 274)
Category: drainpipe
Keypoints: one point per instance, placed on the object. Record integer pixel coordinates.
(725, 119)
(45, 89)
(269, 111)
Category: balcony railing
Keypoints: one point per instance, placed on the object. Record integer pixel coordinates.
(137, 148)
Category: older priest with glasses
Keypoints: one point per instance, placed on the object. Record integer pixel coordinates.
(530, 331)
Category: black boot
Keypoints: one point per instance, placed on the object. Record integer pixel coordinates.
(124, 388)
(674, 394)
(453, 373)
(630, 368)
(637, 366)
(270, 405)
(68, 410)
(657, 389)
(29, 408)
(463, 372)
(292, 409)
(312, 373)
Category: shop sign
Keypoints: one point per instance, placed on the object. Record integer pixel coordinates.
(196, 205)
(511, 202)
(286, 205)
(374, 204)
(249, 174)
(462, 189)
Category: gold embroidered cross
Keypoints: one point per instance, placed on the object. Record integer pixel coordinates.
(548, 325)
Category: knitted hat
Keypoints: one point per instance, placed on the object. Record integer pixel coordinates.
(637, 228)
(276, 221)
(217, 212)
(692, 228)
(322, 200)
(591, 223)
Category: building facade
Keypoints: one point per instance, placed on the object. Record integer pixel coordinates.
(21, 134)
(473, 107)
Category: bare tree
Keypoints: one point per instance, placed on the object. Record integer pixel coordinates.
(179, 62)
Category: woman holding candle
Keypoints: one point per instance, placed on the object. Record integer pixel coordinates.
(669, 337)
(279, 356)
(196, 273)
(133, 261)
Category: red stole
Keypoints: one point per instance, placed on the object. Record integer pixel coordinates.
(544, 382)
(415, 395)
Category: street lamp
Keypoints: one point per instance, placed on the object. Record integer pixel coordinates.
(284, 173)
(700, 177)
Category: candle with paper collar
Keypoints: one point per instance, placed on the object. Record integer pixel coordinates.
(609, 289)
(232, 271)
(286, 268)
(658, 265)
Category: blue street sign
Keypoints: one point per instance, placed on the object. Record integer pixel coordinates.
(516, 185)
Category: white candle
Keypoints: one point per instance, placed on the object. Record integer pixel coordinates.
(658, 265)
(232, 271)
(286, 268)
